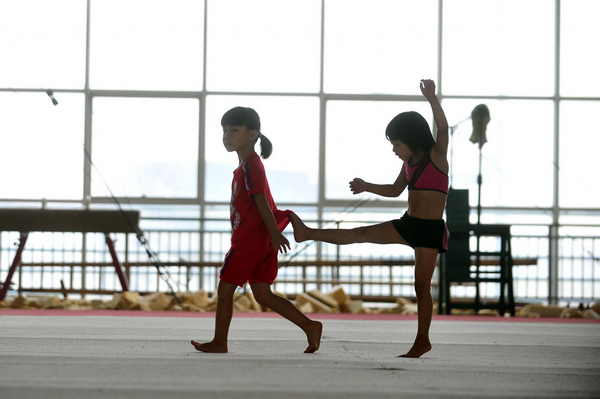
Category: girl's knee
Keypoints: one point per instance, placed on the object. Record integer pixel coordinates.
(262, 296)
(224, 299)
(422, 287)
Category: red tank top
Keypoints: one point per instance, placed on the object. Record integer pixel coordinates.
(426, 176)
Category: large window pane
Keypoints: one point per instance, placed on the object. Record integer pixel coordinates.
(264, 46)
(517, 160)
(498, 47)
(578, 159)
(41, 150)
(42, 43)
(292, 125)
(356, 145)
(380, 46)
(579, 55)
(146, 44)
(145, 147)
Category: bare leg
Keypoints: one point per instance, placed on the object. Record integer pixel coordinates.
(313, 329)
(424, 266)
(383, 233)
(222, 320)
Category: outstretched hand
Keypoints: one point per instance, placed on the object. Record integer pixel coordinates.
(427, 88)
(358, 186)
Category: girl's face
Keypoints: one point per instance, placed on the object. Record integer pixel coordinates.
(239, 138)
(401, 150)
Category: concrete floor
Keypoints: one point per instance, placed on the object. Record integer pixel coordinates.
(150, 357)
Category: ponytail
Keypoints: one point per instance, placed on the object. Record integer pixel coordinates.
(266, 147)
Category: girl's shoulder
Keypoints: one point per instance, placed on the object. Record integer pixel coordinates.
(254, 163)
(439, 160)
(254, 159)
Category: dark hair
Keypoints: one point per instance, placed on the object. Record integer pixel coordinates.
(245, 116)
(412, 129)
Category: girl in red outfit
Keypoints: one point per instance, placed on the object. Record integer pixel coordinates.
(425, 173)
(256, 237)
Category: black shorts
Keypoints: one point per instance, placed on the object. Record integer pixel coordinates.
(427, 233)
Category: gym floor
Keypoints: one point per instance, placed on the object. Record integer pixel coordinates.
(121, 354)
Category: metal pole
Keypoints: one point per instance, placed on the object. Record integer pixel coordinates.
(553, 255)
(477, 254)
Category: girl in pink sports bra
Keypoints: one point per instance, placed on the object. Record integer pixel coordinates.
(425, 174)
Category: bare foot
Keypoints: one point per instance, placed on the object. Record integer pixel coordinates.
(418, 349)
(209, 347)
(314, 337)
(300, 229)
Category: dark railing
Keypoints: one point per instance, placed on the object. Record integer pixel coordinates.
(78, 263)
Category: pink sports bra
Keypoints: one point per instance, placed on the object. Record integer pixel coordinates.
(426, 176)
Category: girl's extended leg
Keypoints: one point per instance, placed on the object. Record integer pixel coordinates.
(383, 233)
(424, 266)
(313, 329)
(222, 320)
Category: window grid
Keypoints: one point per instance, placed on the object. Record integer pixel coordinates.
(323, 203)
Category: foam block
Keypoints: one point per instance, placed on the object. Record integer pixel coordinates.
(326, 299)
(317, 305)
(339, 295)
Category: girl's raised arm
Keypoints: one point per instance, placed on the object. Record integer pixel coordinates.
(441, 142)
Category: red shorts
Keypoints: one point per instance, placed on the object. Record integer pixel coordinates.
(253, 261)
